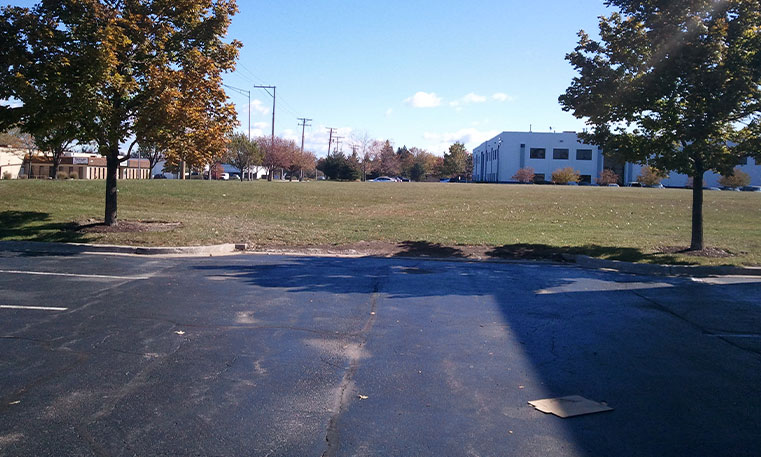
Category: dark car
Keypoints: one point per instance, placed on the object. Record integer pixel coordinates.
(159, 176)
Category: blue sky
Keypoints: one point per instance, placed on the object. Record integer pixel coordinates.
(419, 73)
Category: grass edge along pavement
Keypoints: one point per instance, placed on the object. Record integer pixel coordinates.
(507, 221)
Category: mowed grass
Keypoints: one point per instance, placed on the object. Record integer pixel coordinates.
(623, 223)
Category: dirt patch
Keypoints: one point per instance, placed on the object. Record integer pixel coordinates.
(709, 252)
(91, 226)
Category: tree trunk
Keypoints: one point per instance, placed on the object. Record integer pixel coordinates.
(112, 167)
(697, 211)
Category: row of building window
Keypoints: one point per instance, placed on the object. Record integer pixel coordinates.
(560, 154)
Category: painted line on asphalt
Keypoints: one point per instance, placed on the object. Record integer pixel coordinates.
(33, 308)
(73, 275)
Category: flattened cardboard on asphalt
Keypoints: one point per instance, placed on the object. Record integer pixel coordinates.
(570, 406)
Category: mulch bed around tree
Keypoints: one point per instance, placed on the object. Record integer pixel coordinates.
(713, 253)
(91, 226)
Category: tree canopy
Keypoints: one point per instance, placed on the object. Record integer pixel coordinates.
(675, 84)
(123, 70)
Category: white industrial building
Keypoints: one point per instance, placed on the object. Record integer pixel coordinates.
(498, 160)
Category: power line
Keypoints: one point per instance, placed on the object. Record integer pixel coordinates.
(274, 92)
(244, 92)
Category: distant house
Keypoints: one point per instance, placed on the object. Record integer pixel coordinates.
(84, 166)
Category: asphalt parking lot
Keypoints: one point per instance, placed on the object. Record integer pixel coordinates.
(305, 356)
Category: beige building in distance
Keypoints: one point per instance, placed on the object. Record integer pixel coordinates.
(11, 161)
(85, 166)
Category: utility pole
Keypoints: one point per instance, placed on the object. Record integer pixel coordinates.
(330, 140)
(338, 142)
(274, 92)
(304, 125)
(248, 93)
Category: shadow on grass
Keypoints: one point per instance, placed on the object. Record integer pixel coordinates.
(427, 249)
(32, 226)
(557, 253)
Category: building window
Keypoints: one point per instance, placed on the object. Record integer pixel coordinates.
(538, 177)
(560, 154)
(537, 153)
(583, 154)
(586, 179)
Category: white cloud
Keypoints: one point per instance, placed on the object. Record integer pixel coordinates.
(257, 106)
(467, 100)
(424, 100)
(389, 112)
(502, 97)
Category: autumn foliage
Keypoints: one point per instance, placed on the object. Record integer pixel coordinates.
(524, 175)
(565, 175)
(608, 176)
(738, 178)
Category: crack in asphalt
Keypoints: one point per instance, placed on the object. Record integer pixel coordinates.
(703, 330)
(332, 436)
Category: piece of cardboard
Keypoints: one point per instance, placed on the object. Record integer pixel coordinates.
(573, 405)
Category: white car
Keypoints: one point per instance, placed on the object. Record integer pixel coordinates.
(383, 179)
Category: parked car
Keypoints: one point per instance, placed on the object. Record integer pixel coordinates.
(710, 188)
(634, 184)
(235, 176)
(656, 186)
(751, 188)
(159, 176)
(732, 189)
(383, 179)
(613, 185)
(224, 176)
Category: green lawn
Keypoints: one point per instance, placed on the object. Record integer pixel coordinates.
(622, 223)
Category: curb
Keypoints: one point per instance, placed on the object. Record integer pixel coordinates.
(582, 261)
(78, 248)
(663, 270)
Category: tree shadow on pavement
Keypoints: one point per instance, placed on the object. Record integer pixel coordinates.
(427, 249)
(659, 350)
(521, 251)
(33, 226)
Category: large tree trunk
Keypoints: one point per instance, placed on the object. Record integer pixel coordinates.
(112, 168)
(697, 211)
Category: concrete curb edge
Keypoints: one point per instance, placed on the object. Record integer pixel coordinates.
(74, 248)
(663, 270)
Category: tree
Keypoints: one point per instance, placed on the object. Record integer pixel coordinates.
(406, 161)
(738, 178)
(672, 84)
(37, 72)
(141, 70)
(524, 175)
(608, 176)
(150, 152)
(277, 153)
(565, 175)
(651, 176)
(455, 161)
(242, 153)
(388, 162)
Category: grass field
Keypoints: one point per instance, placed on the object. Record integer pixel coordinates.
(621, 223)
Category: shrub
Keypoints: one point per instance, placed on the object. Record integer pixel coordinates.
(738, 178)
(61, 175)
(524, 175)
(651, 176)
(22, 177)
(565, 175)
(608, 176)
(7, 175)
(74, 176)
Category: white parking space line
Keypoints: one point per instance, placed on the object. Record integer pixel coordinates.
(33, 308)
(73, 275)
